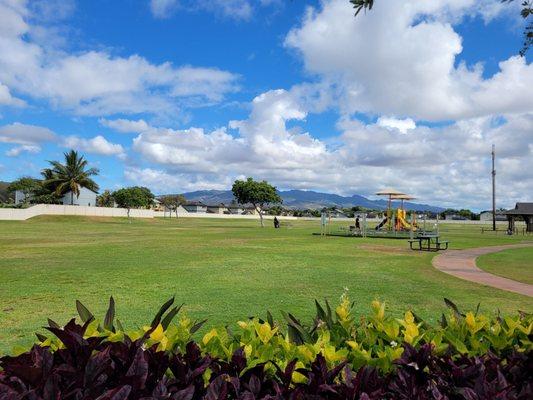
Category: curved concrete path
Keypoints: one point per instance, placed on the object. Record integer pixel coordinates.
(462, 264)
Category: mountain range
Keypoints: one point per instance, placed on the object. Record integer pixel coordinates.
(308, 199)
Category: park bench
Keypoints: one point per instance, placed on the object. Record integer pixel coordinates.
(425, 242)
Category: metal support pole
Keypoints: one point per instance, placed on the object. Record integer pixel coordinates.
(493, 191)
(411, 225)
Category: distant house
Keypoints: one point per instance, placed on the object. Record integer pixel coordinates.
(242, 210)
(337, 214)
(487, 216)
(195, 207)
(85, 198)
(216, 208)
(20, 197)
(235, 209)
(158, 206)
(454, 217)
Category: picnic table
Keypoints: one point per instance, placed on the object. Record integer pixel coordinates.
(426, 240)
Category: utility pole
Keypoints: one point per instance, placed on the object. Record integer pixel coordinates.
(493, 191)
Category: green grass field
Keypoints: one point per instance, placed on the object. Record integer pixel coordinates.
(516, 264)
(224, 270)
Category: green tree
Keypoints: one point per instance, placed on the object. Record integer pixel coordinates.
(255, 193)
(172, 201)
(275, 210)
(359, 5)
(27, 185)
(5, 195)
(134, 197)
(316, 213)
(70, 176)
(526, 13)
(105, 199)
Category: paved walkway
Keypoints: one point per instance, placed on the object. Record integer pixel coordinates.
(462, 264)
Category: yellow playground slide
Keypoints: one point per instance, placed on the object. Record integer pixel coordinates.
(400, 216)
(405, 224)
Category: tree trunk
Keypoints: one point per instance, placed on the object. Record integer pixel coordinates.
(260, 215)
(129, 215)
(71, 198)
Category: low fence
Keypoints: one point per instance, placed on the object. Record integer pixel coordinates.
(221, 216)
(21, 214)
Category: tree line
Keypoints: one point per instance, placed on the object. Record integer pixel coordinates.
(70, 176)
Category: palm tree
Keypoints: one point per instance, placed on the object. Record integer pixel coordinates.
(362, 4)
(71, 176)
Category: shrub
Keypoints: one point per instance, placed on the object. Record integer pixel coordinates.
(467, 355)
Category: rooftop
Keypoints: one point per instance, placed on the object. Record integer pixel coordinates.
(521, 209)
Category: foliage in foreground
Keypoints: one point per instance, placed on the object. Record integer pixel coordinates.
(468, 356)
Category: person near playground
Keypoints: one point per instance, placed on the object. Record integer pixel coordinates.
(357, 224)
(276, 222)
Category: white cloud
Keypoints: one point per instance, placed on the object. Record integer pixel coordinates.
(399, 59)
(25, 134)
(7, 99)
(26, 148)
(163, 8)
(96, 145)
(239, 10)
(208, 82)
(403, 125)
(161, 181)
(96, 82)
(263, 142)
(236, 9)
(125, 125)
(364, 158)
(51, 10)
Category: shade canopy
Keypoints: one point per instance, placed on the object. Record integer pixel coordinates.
(402, 197)
(390, 192)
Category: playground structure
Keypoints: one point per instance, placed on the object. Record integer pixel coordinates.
(396, 224)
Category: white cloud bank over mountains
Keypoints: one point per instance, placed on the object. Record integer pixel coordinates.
(397, 64)
(447, 165)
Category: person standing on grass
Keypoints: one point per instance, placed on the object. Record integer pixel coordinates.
(276, 222)
(357, 224)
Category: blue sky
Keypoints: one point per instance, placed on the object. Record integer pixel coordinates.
(180, 95)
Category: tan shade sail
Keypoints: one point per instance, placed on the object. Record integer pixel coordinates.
(390, 192)
(402, 197)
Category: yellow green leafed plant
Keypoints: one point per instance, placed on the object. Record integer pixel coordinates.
(376, 339)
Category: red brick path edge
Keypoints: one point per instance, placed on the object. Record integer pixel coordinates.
(462, 264)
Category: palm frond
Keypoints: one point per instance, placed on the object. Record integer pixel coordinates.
(70, 176)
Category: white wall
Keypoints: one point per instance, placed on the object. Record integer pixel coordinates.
(55, 209)
(223, 216)
(15, 214)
